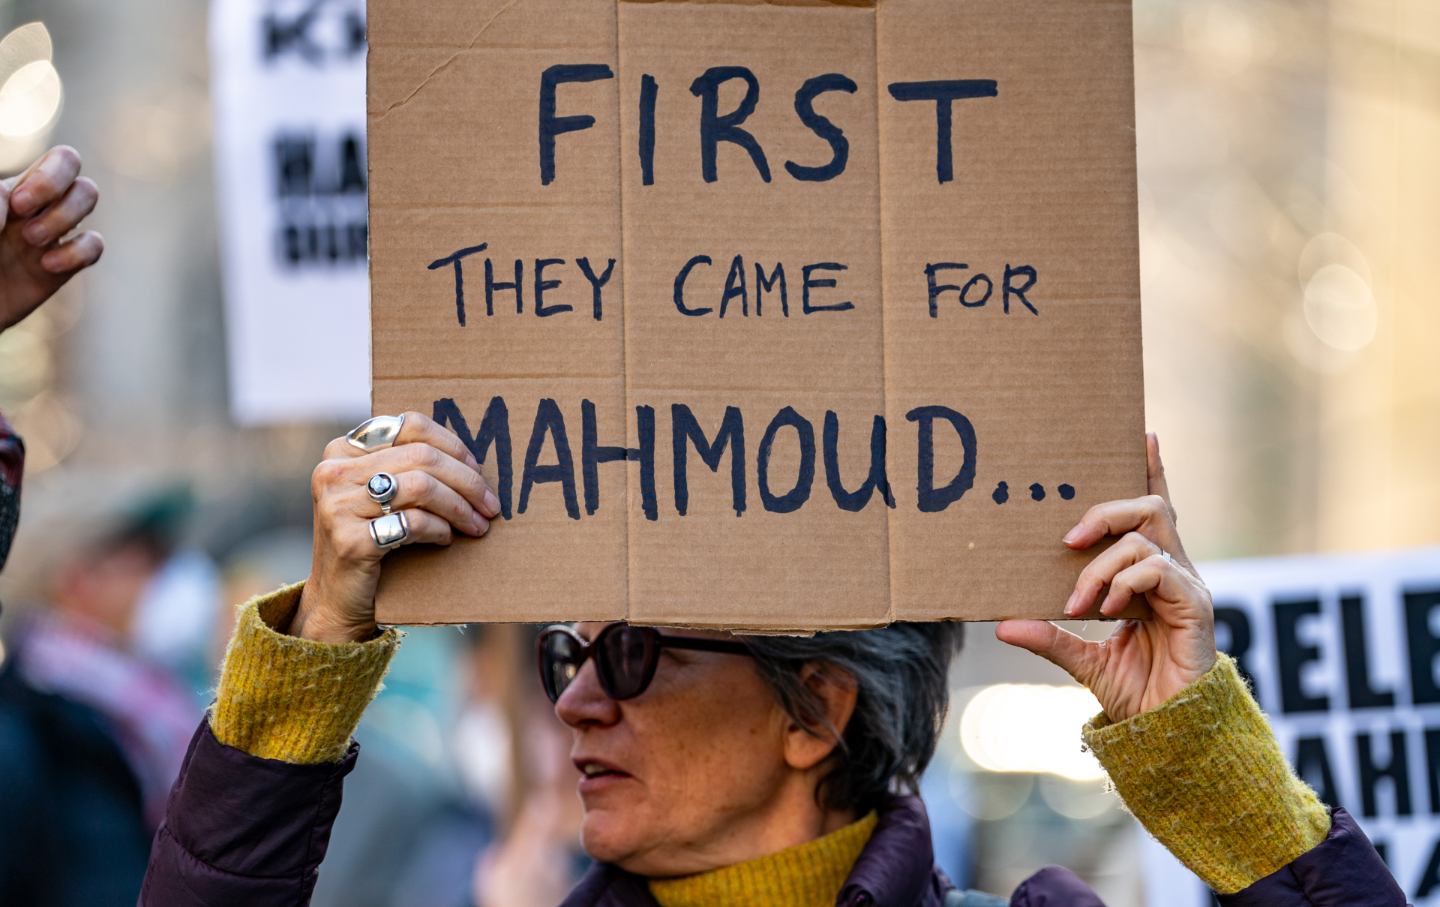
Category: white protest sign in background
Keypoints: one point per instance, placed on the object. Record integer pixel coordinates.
(1343, 651)
(289, 91)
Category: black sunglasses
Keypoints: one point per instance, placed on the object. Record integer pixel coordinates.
(625, 657)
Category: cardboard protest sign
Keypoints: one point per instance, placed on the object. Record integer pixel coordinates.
(765, 315)
(1342, 652)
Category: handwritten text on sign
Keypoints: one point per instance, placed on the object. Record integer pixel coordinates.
(1012, 288)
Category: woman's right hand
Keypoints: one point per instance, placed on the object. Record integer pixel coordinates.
(440, 490)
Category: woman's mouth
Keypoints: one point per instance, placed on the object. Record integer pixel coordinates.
(596, 775)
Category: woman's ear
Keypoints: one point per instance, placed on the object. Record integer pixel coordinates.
(834, 692)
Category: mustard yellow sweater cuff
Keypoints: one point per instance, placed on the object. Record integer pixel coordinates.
(1204, 774)
(291, 699)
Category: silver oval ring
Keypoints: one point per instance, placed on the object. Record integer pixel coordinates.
(382, 489)
(390, 531)
(376, 434)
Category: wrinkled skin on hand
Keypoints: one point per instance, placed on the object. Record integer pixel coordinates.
(1150, 659)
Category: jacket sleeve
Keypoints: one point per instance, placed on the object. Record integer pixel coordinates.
(1342, 869)
(1204, 774)
(249, 818)
(240, 829)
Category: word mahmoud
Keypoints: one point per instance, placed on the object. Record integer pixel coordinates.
(549, 430)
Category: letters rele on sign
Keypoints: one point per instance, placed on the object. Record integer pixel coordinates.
(789, 315)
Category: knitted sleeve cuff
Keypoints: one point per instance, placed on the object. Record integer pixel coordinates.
(1204, 774)
(290, 699)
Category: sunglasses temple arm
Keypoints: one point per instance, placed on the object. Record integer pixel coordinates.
(705, 645)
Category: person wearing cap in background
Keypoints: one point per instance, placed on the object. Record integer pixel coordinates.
(716, 769)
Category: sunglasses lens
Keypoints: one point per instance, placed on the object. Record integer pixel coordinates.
(560, 659)
(626, 657)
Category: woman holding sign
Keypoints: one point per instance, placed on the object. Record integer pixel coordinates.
(758, 771)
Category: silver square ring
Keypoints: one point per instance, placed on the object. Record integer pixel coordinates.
(390, 531)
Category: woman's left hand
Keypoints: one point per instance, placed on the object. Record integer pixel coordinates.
(1146, 661)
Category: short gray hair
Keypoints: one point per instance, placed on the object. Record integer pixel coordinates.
(902, 678)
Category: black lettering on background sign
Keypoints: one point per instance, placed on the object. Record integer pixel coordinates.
(321, 31)
(1420, 605)
(1234, 637)
(1430, 877)
(319, 181)
(1363, 695)
(1373, 770)
(1432, 768)
(1312, 764)
(1291, 656)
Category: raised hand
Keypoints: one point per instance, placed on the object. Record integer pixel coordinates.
(39, 209)
(440, 491)
(1146, 660)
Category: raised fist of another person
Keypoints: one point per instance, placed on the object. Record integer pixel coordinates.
(39, 210)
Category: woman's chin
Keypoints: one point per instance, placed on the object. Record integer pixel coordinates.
(608, 835)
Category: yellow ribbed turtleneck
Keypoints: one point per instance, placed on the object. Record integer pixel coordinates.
(806, 875)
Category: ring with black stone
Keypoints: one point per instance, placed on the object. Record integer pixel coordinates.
(382, 489)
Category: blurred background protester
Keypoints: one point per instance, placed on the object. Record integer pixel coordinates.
(92, 729)
(490, 818)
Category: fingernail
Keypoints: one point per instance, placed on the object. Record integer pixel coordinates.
(1070, 605)
(1072, 536)
(35, 233)
(482, 525)
(492, 503)
(22, 199)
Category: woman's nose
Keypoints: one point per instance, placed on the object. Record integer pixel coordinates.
(585, 702)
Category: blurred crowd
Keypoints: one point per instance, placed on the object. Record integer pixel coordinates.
(466, 795)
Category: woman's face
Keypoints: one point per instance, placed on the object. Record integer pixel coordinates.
(686, 776)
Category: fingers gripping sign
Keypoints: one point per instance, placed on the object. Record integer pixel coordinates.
(434, 490)
(1147, 659)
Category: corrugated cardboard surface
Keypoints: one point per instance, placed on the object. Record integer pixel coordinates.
(1043, 177)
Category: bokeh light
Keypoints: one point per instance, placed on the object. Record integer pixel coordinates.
(1034, 728)
(29, 100)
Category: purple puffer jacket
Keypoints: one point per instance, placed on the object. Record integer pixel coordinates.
(252, 832)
